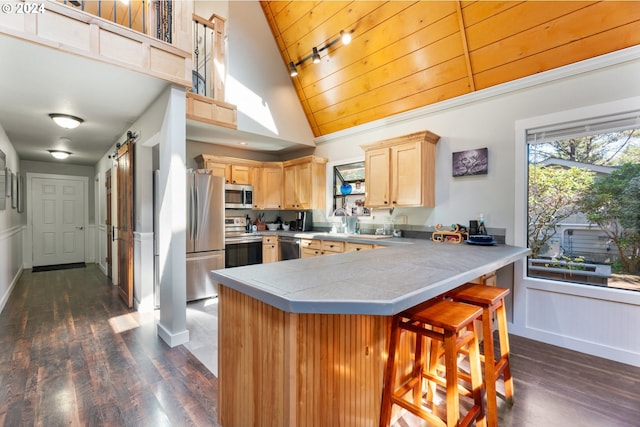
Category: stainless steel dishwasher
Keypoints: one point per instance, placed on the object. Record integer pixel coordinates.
(289, 247)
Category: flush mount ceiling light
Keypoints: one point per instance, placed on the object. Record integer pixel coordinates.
(60, 155)
(345, 38)
(66, 121)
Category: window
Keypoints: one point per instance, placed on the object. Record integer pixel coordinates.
(583, 202)
(349, 188)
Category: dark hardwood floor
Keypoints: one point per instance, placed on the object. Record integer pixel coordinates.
(63, 361)
(72, 354)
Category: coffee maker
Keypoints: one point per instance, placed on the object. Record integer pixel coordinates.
(303, 221)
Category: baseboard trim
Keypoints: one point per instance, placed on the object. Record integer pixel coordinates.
(173, 340)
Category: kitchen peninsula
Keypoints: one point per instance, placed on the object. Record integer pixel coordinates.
(304, 342)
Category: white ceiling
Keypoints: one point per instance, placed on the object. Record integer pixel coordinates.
(36, 81)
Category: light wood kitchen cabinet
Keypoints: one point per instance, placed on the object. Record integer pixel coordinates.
(357, 247)
(304, 183)
(269, 188)
(270, 249)
(315, 247)
(235, 171)
(400, 172)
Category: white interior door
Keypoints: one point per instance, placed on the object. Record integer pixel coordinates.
(58, 221)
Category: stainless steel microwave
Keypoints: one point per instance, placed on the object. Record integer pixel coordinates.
(238, 196)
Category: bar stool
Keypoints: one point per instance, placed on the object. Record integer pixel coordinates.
(452, 324)
(491, 299)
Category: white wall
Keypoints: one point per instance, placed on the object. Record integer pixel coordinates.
(11, 230)
(258, 81)
(585, 318)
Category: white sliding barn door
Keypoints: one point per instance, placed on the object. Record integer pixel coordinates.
(58, 221)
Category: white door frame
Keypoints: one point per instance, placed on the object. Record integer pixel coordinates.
(28, 242)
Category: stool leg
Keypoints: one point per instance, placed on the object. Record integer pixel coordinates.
(476, 376)
(418, 366)
(451, 366)
(390, 374)
(504, 352)
(434, 357)
(489, 368)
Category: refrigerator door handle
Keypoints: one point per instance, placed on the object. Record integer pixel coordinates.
(195, 215)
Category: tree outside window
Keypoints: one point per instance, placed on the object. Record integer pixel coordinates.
(584, 209)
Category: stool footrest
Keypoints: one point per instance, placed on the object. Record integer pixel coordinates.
(428, 416)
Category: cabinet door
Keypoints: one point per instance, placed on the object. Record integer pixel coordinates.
(240, 174)
(377, 177)
(303, 185)
(406, 178)
(290, 197)
(258, 188)
(271, 186)
(219, 169)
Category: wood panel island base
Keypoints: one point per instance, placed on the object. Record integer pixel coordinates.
(288, 369)
(304, 342)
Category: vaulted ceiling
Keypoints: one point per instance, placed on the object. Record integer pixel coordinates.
(406, 55)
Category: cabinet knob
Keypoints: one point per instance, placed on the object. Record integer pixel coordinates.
(385, 202)
(394, 202)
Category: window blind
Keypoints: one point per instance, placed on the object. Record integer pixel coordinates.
(591, 126)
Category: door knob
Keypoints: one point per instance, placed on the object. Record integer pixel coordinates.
(80, 228)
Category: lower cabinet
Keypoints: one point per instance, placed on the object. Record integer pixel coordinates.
(357, 247)
(314, 247)
(270, 250)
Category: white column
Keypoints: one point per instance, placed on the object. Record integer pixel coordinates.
(172, 327)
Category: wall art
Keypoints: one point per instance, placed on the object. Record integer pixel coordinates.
(471, 162)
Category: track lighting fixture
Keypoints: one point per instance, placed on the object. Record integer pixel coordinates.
(345, 38)
(293, 71)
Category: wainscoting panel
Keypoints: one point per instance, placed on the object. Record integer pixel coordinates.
(591, 319)
(11, 260)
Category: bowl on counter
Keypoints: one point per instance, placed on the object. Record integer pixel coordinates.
(273, 227)
(285, 227)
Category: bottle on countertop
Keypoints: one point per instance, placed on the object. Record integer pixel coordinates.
(247, 226)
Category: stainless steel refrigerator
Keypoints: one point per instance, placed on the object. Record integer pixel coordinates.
(205, 233)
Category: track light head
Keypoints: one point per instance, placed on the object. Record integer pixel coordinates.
(345, 36)
(315, 56)
(293, 71)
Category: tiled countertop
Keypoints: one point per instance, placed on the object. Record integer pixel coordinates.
(378, 282)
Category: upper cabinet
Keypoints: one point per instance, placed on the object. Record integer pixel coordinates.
(304, 183)
(400, 172)
(294, 184)
(235, 171)
(267, 186)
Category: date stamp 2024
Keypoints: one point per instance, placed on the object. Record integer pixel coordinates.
(21, 8)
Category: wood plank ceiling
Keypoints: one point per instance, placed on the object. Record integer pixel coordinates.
(406, 55)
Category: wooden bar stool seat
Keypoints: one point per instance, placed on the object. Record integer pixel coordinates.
(451, 324)
(491, 300)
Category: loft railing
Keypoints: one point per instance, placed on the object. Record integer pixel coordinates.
(138, 15)
(208, 57)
